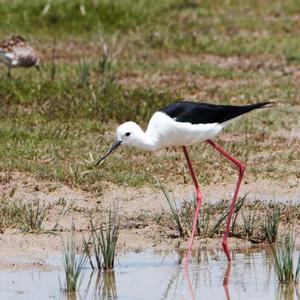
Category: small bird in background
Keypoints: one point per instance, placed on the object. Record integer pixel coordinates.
(182, 124)
(17, 52)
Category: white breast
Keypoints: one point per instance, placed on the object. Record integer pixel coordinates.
(167, 132)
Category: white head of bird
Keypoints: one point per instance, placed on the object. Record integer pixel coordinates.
(129, 133)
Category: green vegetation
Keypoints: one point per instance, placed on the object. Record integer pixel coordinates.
(102, 242)
(271, 223)
(174, 212)
(257, 221)
(74, 265)
(234, 27)
(107, 239)
(250, 220)
(211, 220)
(105, 62)
(286, 270)
(213, 217)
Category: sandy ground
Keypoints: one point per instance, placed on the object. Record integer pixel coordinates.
(29, 250)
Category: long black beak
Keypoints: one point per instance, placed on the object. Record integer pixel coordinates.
(112, 149)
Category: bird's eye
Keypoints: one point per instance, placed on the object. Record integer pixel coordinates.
(127, 133)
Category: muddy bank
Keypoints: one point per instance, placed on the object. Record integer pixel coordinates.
(137, 208)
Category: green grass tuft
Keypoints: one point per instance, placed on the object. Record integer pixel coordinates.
(74, 265)
(286, 269)
(271, 223)
(102, 242)
(109, 233)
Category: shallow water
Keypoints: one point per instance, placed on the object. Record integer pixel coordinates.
(158, 275)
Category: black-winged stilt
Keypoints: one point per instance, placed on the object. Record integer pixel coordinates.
(182, 124)
(16, 52)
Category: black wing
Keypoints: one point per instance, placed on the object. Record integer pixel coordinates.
(204, 113)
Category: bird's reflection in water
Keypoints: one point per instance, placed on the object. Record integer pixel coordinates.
(191, 287)
(226, 281)
(189, 283)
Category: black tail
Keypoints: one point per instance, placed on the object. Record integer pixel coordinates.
(233, 111)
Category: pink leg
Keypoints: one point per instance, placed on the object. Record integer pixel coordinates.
(241, 170)
(199, 200)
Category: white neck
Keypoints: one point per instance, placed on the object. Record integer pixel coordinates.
(144, 141)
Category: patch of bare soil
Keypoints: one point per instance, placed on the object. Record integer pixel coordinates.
(28, 250)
